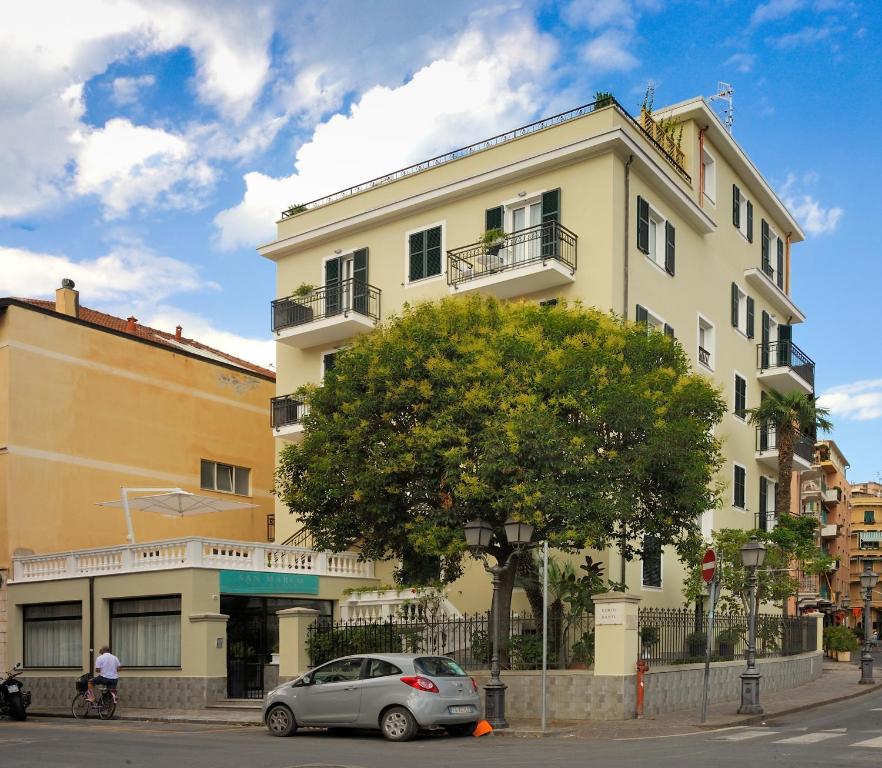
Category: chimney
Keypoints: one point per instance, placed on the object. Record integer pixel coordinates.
(178, 330)
(67, 300)
(130, 324)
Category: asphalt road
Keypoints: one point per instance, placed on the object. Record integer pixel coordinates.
(844, 734)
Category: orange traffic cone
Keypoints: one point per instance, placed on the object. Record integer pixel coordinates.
(482, 728)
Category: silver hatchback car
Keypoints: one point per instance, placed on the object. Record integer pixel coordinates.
(398, 693)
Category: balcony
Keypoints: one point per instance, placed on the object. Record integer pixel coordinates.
(526, 261)
(767, 449)
(383, 605)
(766, 285)
(829, 531)
(287, 416)
(832, 495)
(765, 521)
(808, 585)
(327, 315)
(192, 552)
(785, 367)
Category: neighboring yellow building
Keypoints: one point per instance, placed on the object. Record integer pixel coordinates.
(680, 231)
(866, 549)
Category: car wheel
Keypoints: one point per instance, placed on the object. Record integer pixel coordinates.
(397, 724)
(280, 721)
(461, 729)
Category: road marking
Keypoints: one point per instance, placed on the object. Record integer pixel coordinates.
(872, 743)
(749, 734)
(810, 738)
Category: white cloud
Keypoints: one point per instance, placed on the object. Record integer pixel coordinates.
(859, 401)
(610, 52)
(805, 36)
(127, 89)
(596, 14)
(774, 10)
(128, 165)
(478, 89)
(129, 272)
(812, 216)
(743, 62)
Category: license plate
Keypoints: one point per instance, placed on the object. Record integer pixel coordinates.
(12, 688)
(463, 710)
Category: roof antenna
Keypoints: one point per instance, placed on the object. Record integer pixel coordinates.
(724, 93)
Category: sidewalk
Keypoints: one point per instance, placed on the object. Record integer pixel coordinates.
(838, 682)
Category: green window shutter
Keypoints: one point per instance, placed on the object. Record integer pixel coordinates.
(763, 504)
(551, 205)
(767, 265)
(736, 207)
(740, 395)
(780, 275)
(493, 218)
(652, 555)
(740, 482)
(433, 251)
(642, 225)
(764, 339)
(642, 315)
(670, 238)
(417, 248)
(332, 286)
(735, 294)
(669, 331)
(750, 313)
(785, 342)
(749, 221)
(550, 218)
(360, 281)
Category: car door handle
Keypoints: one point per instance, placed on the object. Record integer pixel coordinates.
(350, 688)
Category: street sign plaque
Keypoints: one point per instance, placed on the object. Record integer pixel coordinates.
(709, 565)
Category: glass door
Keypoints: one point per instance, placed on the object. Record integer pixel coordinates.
(525, 247)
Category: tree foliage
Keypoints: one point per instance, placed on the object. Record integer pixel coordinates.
(561, 416)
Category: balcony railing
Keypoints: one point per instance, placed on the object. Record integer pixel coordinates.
(287, 410)
(785, 354)
(541, 243)
(347, 296)
(194, 552)
(767, 440)
(765, 521)
(704, 356)
(808, 584)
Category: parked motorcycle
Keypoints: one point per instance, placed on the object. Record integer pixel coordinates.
(14, 701)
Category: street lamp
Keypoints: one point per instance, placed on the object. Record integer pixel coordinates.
(478, 535)
(846, 606)
(868, 581)
(753, 553)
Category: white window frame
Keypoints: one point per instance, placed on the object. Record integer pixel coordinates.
(442, 275)
(708, 326)
(742, 214)
(654, 321)
(742, 312)
(710, 189)
(774, 237)
(331, 351)
(657, 248)
(738, 374)
(215, 489)
(736, 464)
(508, 207)
(661, 573)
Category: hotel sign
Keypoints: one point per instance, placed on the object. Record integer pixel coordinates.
(265, 583)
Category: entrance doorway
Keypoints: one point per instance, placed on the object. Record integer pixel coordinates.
(253, 637)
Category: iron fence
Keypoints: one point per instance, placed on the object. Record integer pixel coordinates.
(339, 298)
(466, 639)
(680, 636)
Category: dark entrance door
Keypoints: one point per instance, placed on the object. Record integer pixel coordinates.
(246, 647)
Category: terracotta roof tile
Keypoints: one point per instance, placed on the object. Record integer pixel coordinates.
(119, 324)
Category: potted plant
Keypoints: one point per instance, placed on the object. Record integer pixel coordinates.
(493, 240)
(301, 311)
(840, 642)
(696, 643)
(291, 210)
(583, 651)
(726, 641)
(602, 99)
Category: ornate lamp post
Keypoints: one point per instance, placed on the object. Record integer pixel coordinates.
(868, 581)
(478, 534)
(753, 553)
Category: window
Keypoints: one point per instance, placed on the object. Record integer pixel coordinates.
(380, 668)
(225, 478)
(742, 213)
(342, 671)
(706, 345)
(709, 176)
(652, 562)
(743, 310)
(438, 666)
(329, 360)
(740, 396)
(346, 280)
(772, 255)
(869, 517)
(146, 632)
(653, 322)
(53, 635)
(739, 482)
(768, 490)
(656, 236)
(424, 254)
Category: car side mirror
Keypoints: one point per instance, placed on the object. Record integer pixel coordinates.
(301, 682)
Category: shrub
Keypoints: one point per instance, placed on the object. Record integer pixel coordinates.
(649, 635)
(696, 642)
(840, 638)
(326, 645)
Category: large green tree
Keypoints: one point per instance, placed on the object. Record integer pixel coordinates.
(791, 415)
(562, 416)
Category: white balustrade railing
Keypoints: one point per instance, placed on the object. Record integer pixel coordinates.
(383, 604)
(192, 552)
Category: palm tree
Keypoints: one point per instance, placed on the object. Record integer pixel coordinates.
(791, 415)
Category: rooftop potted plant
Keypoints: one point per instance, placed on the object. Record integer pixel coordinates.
(291, 210)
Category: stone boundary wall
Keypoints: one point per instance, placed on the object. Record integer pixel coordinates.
(141, 692)
(583, 695)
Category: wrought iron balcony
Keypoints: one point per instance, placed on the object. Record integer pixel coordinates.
(287, 415)
(767, 448)
(331, 313)
(528, 260)
(704, 356)
(785, 366)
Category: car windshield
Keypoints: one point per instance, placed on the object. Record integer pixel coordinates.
(438, 666)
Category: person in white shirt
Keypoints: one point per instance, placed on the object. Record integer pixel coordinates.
(106, 672)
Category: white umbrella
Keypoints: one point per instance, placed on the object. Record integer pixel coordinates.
(170, 502)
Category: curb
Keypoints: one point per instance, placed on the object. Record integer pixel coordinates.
(522, 733)
(153, 719)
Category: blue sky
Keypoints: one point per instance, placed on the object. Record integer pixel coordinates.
(147, 148)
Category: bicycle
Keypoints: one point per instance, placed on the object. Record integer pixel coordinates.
(104, 704)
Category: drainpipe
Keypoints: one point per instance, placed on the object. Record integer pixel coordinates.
(701, 133)
(787, 263)
(627, 230)
(91, 625)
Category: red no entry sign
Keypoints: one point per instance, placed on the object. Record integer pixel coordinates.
(709, 565)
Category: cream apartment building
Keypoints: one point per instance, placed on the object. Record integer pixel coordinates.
(677, 229)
